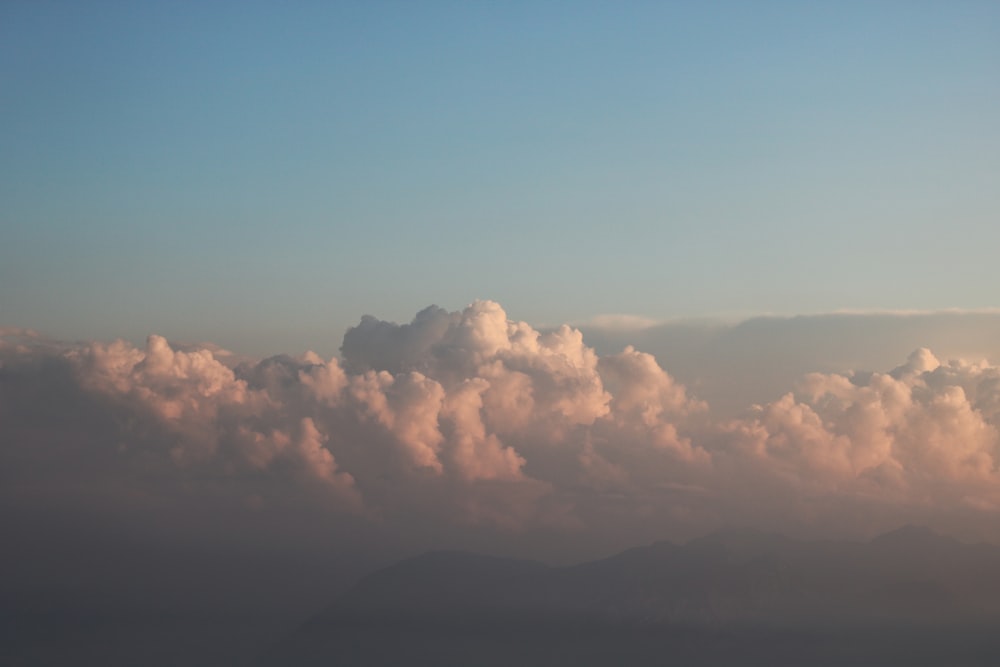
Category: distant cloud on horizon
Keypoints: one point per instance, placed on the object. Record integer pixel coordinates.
(633, 321)
(468, 418)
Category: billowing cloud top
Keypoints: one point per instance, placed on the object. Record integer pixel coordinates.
(471, 418)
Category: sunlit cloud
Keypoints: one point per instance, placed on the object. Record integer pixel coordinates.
(470, 416)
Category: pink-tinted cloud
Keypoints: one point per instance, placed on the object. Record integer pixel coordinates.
(471, 418)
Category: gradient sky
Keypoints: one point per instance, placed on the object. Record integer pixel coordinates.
(260, 175)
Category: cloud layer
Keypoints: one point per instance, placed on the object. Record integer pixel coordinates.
(470, 419)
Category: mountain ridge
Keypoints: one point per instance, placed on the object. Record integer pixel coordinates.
(736, 587)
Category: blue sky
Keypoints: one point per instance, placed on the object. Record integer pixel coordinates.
(261, 175)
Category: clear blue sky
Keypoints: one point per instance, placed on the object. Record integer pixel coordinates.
(261, 174)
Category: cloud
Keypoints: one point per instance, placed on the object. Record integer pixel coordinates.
(732, 365)
(468, 418)
(408, 406)
(923, 434)
(621, 322)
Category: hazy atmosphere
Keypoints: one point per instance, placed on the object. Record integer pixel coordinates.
(289, 295)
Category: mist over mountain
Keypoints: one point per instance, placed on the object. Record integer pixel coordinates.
(908, 597)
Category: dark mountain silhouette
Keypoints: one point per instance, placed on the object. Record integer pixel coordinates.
(909, 597)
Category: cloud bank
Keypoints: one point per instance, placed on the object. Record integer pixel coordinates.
(471, 419)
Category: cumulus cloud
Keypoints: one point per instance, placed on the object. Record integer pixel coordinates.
(472, 418)
(923, 434)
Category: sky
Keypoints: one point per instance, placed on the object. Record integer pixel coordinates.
(260, 176)
(291, 292)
